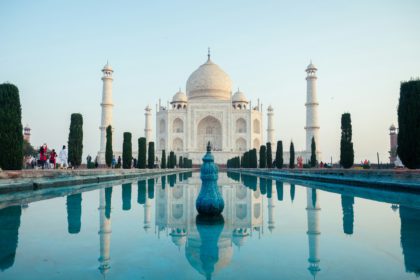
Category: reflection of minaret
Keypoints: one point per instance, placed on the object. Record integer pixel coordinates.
(270, 206)
(126, 196)
(313, 232)
(9, 234)
(104, 234)
(147, 205)
(410, 228)
(348, 213)
(74, 213)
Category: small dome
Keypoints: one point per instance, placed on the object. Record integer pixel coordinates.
(107, 67)
(179, 97)
(311, 66)
(239, 96)
(270, 108)
(392, 127)
(209, 81)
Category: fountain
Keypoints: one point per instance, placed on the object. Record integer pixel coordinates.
(210, 201)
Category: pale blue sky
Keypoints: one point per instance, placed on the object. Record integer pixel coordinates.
(54, 51)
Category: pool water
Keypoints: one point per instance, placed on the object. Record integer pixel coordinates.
(270, 229)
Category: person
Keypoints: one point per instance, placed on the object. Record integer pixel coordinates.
(113, 162)
(321, 164)
(134, 162)
(63, 157)
(43, 155)
(53, 156)
(96, 162)
(119, 162)
(88, 161)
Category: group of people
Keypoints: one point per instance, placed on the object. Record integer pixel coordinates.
(48, 159)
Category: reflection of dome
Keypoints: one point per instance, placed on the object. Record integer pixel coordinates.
(239, 96)
(179, 97)
(238, 237)
(209, 81)
(179, 237)
(194, 255)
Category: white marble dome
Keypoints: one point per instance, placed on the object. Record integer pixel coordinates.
(209, 81)
(179, 97)
(239, 96)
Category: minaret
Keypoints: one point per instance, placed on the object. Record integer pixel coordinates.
(313, 232)
(104, 235)
(270, 128)
(106, 105)
(312, 124)
(393, 141)
(148, 125)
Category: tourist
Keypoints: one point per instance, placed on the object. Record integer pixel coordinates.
(88, 161)
(43, 155)
(119, 162)
(134, 162)
(63, 157)
(53, 156)
(96, 162)
(113, 162)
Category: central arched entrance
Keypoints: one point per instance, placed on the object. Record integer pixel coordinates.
(209, 129)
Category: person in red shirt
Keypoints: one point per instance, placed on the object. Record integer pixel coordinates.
(43, 155)
(53, 156)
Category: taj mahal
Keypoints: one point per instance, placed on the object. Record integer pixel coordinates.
(209, 111)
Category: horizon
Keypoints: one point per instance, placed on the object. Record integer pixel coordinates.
(362, 50)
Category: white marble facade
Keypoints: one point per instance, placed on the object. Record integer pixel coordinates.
(208, 112)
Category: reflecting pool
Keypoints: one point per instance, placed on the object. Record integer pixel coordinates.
(149, 229)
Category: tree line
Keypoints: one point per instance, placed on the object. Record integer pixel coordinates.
(12, 144)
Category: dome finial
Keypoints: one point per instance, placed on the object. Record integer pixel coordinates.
(208, 54)
(208, 146)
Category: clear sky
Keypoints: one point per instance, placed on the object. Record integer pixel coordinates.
(54, 51)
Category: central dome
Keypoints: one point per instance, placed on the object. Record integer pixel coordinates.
(209, 81)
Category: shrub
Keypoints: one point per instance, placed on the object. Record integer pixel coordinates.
(346, 145)
(151, 154)
(108, 148)
(141, 158)
(127, 155)
(279, 155)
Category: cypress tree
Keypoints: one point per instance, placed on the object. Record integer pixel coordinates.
(269, 156)
(313, 153)
(127, 155)
(180, 165)
(292, 156)
(263, 156)
(141, 158)
(253, 158)
(11, 138)
(163, 160)
(409, 124)
(151, 154)
(175, 161)
(108, 147)
(279, 155)
(75, 142)
(346, 145)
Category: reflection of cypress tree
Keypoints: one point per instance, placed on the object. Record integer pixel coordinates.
(234, 176)
(74, 213)
(187, 175)
(279, 188)
(313, 197)
(163, 181)
(292, 192)
(180, 177)
(126, 196)
(108, 197)
(172, 180)
(141, 192)
(269, 188)
(151, 188)
(263, 186)
(410, 241)
(348, 214)
(9, 234)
